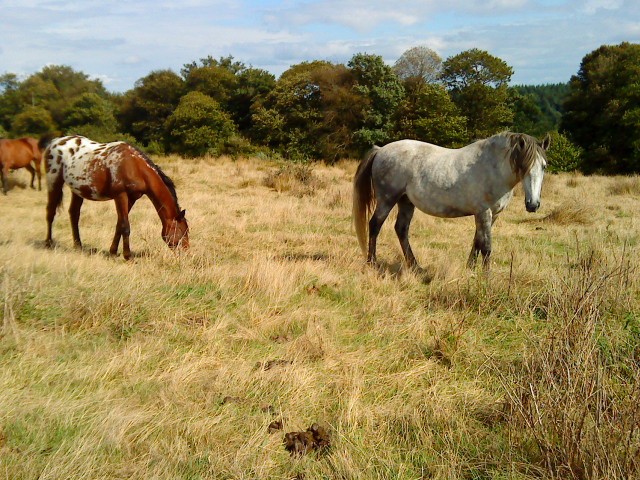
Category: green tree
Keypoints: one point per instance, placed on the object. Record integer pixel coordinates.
(253, 85)
(199, 126)
(527, 114)
(55, 87)
(289, 119)
(602, 110)
(235, 86)
(90, 109)
(549, 99)
(10, 104)
(145, 109)
(32, 121)
(92, 116)
(381, 92)
(419, 63)
(477, 82)
(215, 81)
(428, 114)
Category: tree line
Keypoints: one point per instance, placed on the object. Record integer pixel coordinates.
(320, 110)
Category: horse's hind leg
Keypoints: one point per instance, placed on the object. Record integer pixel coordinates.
(74, 214)
(32, 171)
(481, 240)
(4, 176)
(38, 169)
(405, 214)
(55, 197)
(122, 227)
(379, 216)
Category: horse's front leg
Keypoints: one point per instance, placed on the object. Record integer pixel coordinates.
(122, 227)
(481, 240)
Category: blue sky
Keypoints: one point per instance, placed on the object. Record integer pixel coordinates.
(120, 42)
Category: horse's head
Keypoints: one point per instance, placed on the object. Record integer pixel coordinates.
(530, 164)
(176, 232)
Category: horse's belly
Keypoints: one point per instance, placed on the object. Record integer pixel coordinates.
(445, 204)
(86, 182)
(88, 193)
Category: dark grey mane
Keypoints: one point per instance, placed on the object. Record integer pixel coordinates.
(523, 151)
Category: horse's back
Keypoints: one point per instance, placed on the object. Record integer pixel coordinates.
(405, 161)
(439, 181)
(93, 170)
(19, 151)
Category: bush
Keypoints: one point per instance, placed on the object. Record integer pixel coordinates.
(563, 155)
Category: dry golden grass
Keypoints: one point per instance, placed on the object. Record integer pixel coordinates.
(572, 213)
(155, 368)
(625, 185)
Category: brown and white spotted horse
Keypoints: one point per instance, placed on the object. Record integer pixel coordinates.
(111, 171)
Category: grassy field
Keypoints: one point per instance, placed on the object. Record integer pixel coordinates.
(173, 366)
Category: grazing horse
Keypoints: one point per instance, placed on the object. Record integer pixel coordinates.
(477, 179)
(19, 153)
(111, 171)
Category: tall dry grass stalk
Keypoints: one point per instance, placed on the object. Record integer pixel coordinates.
(576, 395)
(173, 365)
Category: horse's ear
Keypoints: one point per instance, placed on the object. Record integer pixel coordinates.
(546, 143)
(182, 214)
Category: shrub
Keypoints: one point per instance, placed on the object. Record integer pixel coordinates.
(563, 155)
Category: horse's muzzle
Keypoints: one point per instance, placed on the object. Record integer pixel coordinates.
(531, 206)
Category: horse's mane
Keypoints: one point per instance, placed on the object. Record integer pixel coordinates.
(523, 150)
(165, 178)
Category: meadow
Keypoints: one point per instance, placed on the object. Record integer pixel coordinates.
(174, 365)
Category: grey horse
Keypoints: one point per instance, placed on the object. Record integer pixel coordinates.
(477, 179)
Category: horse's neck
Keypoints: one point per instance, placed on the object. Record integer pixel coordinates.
(162, 199)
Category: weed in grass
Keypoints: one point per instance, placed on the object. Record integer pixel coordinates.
(296, 178)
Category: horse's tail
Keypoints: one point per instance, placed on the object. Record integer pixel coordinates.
(45, 140)
(363, 197)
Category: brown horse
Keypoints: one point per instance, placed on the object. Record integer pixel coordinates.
(19, 153)
(111, 171)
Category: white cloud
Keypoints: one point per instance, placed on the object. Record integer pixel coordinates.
(592, 6)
